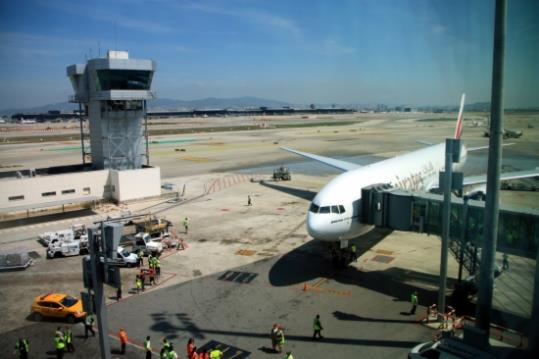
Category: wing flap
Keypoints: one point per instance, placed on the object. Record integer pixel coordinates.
(332, 162)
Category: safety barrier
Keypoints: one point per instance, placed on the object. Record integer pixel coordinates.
(450, 323)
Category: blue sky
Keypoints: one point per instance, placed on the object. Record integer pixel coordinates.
(416, 52)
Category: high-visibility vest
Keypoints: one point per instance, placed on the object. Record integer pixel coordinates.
(216, 354)
(68, 336)
(158, 263)
(317, 325)
(172, 355)
(414, 299)
(147, 346)
(280, 336)
(59, 343)
(123, 336)
(25, 347)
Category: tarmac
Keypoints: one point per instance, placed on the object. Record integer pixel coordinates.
(248, 267)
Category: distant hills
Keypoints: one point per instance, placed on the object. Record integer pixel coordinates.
(215, 103)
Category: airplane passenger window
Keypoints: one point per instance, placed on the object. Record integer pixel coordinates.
(324, 209)
(341, 207)
(335, 209)
(314, 208)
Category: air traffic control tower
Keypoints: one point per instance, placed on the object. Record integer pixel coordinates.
(114, 91)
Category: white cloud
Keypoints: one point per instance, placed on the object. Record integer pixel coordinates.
(333, 47)
(254, 16)
(108, 16)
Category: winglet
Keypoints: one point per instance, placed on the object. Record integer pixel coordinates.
(458, 129)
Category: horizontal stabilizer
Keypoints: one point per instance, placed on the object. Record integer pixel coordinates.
(338, 164)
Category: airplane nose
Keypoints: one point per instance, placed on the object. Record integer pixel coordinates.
(318, 228)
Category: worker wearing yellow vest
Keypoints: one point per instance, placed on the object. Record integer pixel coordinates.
(22, 348)
(148, 347)
(215, 353)
(288, 355)
(59, 345)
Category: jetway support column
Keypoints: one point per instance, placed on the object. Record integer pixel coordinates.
(452, 154)
(488, 251)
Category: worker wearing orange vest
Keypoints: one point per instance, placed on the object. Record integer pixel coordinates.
(123, 339)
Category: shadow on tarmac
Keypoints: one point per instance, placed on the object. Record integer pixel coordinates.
(47, 218)
(354, 317)
(171, 332)
(312, 260)
(296, 192)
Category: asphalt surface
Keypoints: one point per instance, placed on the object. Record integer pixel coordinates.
(362, 315)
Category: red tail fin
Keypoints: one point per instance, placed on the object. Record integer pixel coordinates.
(458, 129)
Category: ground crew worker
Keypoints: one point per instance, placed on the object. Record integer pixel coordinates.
(89, 325)
(505, 261)
(148, 347)
(280, 339)
(150, 261)
(273, 336)
(165, 349)
(171, 353)
(22, 348)
(123, 340)
(317, 326)
(152, 276)
(215, 353)
(59, 332)
(289, 355)
(138, 283)
(249, 202)
(186, 225)
(204, 355)
(119, 293)
(353, 250)
(140, 257)
(68, 336)
(414, 301)
(190, 346)
(157, 268)
(59, 345)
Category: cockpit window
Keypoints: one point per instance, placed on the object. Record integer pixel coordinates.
(314, 208)
(334, 209)
(341, 208)
(324, 209)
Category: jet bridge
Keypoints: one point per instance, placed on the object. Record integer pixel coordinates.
(407, 210)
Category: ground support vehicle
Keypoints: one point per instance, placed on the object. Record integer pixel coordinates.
(282, 173)
(64, 247)
(77, 231)
(144, 242)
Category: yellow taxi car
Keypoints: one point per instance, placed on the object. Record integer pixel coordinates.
(58, 305)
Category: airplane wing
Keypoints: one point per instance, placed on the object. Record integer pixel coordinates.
(473, 180)
(338, 164)
(471, 149)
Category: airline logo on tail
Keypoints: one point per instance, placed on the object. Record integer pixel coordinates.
(458, 129)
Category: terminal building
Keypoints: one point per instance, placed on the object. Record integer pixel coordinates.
(113, 92)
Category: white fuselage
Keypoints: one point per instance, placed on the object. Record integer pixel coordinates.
(334, 212)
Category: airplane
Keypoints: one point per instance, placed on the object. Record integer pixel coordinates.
(334, 212)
